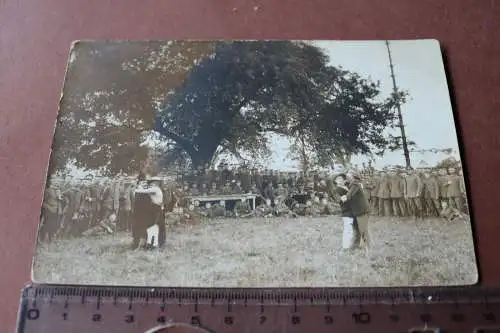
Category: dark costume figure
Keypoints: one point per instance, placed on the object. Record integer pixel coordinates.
(148, 211)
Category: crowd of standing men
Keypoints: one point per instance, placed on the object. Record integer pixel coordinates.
(415, 193)
(71, 209)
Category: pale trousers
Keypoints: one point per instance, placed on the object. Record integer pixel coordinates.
(348, 232)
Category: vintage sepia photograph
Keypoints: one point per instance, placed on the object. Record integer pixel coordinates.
(255, 164)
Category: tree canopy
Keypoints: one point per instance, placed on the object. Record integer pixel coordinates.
(208, 98)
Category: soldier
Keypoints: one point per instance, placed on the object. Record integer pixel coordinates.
(396, 184)
(309, 184)
(218, 209)
(280, 208)
(443, 186)
(196, 178)
(384, 195)
(245, 180)
(322, 189)
(291, 181)
(213, 189)
(226, 190)
(374, 184)
(269, 193)
(281, 192)
(413, 191)
(74, 210)
(211, 176)
(226, 174)
(194, 190)
(189, 178)
(273, 177)
(128, 202)
(241, 208)
(186, 190)
(454, 193)
(204, 189)
(367, 185)
(463, 190)
(236, 187)
(107, 207)
(218, 175)
(94, 197)
(199, 209)
(360, 209)
(258, 181)
(431, 194)
(50, 213)
(300, 181)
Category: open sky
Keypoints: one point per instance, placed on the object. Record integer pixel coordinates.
(419, 69)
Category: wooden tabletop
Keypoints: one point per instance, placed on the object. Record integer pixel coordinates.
(35, 37)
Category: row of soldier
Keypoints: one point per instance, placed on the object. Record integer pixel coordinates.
(417, 193)
(75, 208)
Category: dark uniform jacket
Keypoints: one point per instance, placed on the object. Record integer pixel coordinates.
(443, 186)
(396, 184)
(51, 201)
(413, 186)
(356, 200)
(453, 189)
(384, 189)
(431, 188)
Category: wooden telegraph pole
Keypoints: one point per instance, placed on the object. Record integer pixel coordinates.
(398, 107)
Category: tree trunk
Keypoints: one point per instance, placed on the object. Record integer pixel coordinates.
(202, 156)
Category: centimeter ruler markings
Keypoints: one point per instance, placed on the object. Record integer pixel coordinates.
(56, 309)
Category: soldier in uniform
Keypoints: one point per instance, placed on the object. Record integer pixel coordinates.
(463, 190)
(226, 174)
(413, 191)
(74, 210)
(431, 194)
(241, 208)
(396, 184)
(213, 189)
(273, 177)
(127, 200)
(373, 187)
(443, 186)
(194, 189)
(95, 203)
(291, 181)
(218, 209)
(454, 193)
(204, 189)
(245, 180)
(259, 181)
(300, 182)
(236, 187)
(50, 214)
(186, 190)
(108, 205)
(360, 211)
(269, 193)
(226, 189)
(384, 195)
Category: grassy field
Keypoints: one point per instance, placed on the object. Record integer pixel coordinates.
(303, 252)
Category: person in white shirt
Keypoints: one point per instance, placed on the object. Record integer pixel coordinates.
(148, 211)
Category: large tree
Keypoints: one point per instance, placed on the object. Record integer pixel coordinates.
(231, 99)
